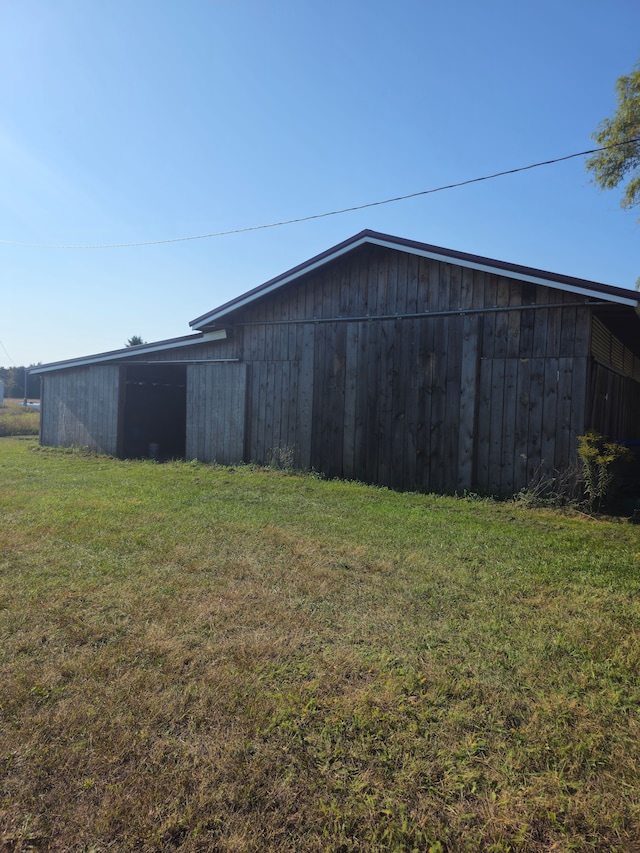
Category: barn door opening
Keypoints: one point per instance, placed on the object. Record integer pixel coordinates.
(154, 411)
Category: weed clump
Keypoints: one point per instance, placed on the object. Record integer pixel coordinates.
(282, 458)
(589, 482)
(556, 488)
(601, 463)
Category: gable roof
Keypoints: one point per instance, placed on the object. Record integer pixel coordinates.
(605, 292)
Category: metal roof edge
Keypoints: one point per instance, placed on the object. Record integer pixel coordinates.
(130, 352)
(509, 270)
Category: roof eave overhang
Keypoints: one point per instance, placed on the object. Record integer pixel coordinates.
(131, 352)
(533, 276)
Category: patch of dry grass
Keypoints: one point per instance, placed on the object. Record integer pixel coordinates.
(16, 419)
(197, 658)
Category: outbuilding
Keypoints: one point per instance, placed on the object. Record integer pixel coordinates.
(382, 359)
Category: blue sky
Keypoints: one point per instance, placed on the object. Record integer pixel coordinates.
(124, 122)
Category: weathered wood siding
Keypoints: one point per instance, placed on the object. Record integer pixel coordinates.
(614, 403)
(194, 352)
(80, 408)
(484, 386)
(216, 396)
(614, 383)
(84, 406)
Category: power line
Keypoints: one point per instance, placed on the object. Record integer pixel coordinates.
(328, 213)
(7, 354)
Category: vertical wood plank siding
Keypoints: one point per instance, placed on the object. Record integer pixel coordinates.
(216, 395)
(80, 409)
(474, 401)
(614, 403)
(614, 383)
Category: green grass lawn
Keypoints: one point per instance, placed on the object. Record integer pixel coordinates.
(200, 658)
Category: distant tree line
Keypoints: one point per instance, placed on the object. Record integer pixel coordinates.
(14, 377)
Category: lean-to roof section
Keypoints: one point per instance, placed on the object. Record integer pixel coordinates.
(567, 283)
(131, 352)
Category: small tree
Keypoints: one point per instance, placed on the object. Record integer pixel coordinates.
(135, 341)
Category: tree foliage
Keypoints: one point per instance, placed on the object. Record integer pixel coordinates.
(621, 163)
(14, 382)
(135, 341)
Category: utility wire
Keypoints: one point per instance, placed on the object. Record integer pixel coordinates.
(328, 213)
(13, 364)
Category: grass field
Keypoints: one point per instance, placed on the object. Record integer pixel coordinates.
(16, 419)
(199, 658)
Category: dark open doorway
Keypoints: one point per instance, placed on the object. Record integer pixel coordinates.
(154, 411)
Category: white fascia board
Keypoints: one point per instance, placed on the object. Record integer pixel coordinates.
(545, 282)
(131, 352)
(217, 335)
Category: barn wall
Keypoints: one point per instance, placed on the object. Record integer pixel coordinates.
(614, 384)
(216, 397)
(80, 408)
(474, 401)
(84, 406)
(614, 407)
(533, 383)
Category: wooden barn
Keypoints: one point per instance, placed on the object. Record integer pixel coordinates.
(383, 360)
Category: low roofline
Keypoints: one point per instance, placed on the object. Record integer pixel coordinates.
(523, 273)
(130, 352)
